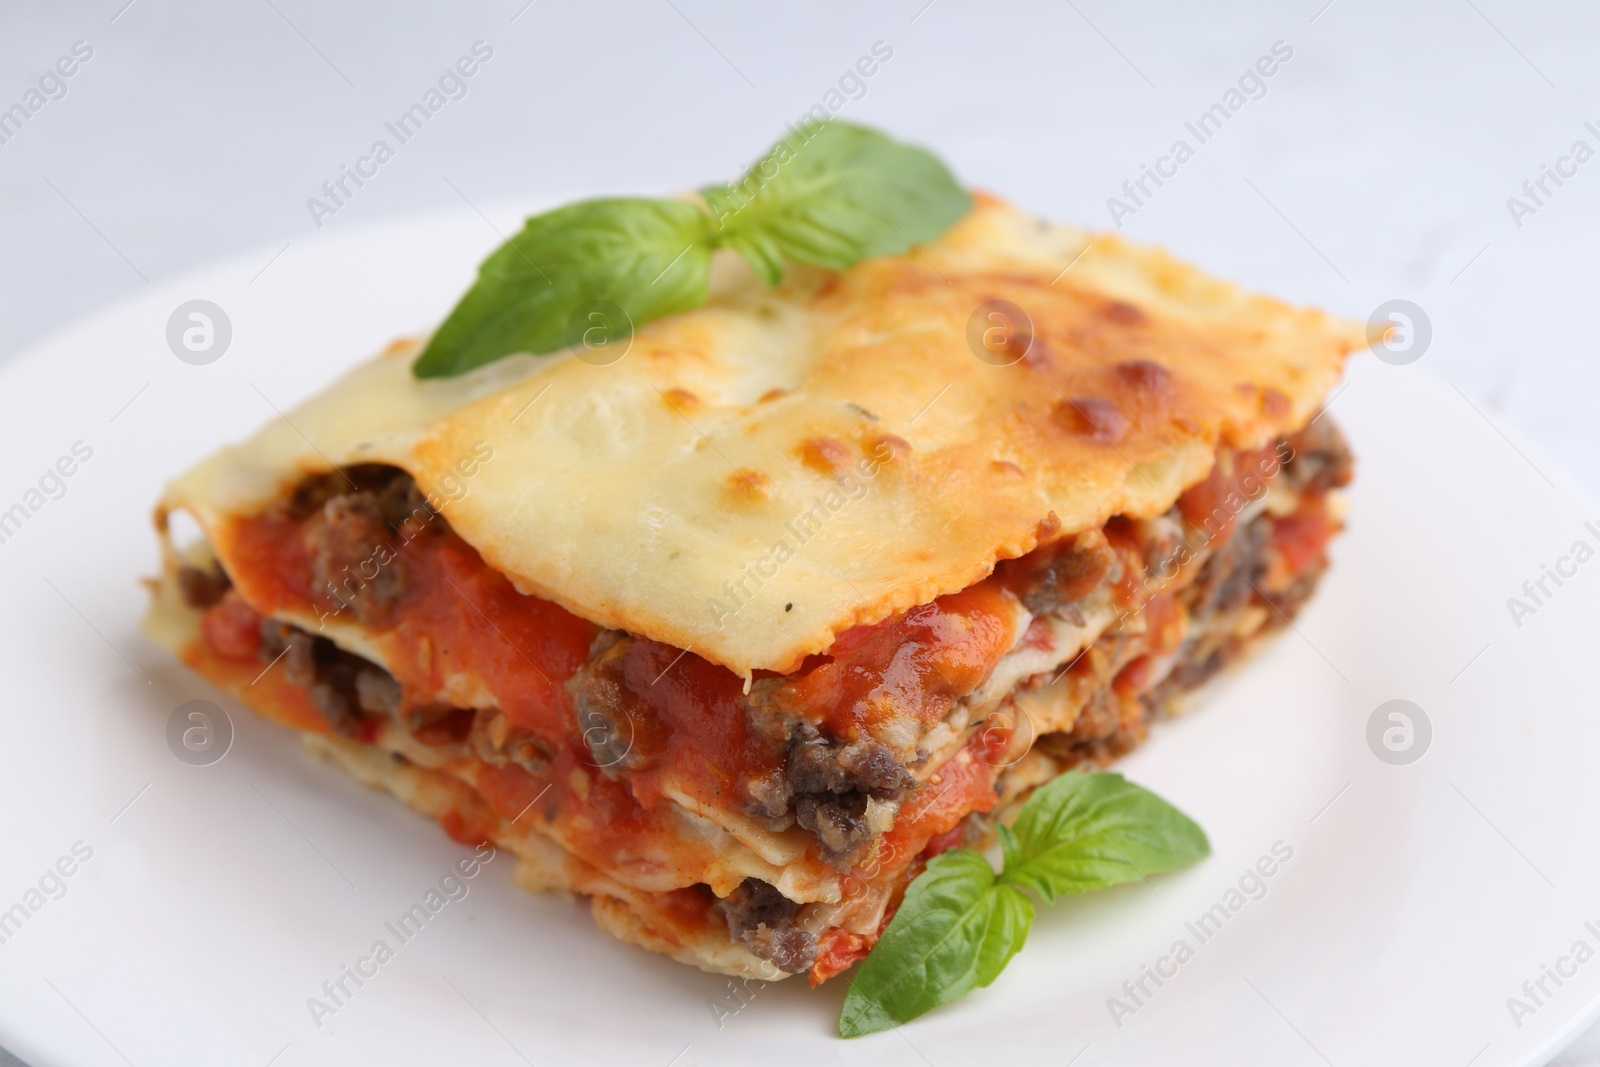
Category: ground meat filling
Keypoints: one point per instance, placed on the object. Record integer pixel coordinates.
(344, 687)
(355, 521)
(845, 792)
(353, 562)
(1227, 579)
(1055, 582)
(1232, 582)
(1321, 457)
(762, 919)
(399, 500)
(494, 740)
(201, 587)
(606, 708)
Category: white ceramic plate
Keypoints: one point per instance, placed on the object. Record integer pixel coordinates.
(217, 899)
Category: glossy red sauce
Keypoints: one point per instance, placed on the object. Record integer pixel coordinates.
(1214, 504)
(1302, 538)
(460, 617)
(913, 664)
(688, 725)
(242, 672)
(599, 818)
(944, 842)
(232, 629)
(838, 952)
(1040, 635)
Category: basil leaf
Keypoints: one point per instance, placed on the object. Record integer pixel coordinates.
(1089, 831)
(956, 930)
(959, 924)
(829, 194)
(648, 257)
(832, 194)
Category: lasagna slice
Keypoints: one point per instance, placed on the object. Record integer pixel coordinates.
(732, 635)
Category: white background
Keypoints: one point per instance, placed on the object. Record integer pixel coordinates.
(1377, 166)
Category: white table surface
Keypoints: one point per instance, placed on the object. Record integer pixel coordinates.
(1376, 166)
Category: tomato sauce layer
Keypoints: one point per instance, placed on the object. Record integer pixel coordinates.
(461, 627)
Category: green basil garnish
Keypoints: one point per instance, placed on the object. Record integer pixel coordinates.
(830, 194)
(960, 923)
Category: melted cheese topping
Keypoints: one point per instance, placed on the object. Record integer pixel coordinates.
(763, 473)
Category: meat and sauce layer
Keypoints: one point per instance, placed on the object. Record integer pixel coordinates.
(802, 805)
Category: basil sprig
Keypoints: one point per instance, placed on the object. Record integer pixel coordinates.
(649, 257)
(829, 194)
(832, 195)
(960, 923)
